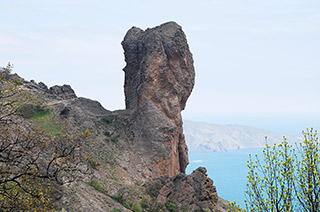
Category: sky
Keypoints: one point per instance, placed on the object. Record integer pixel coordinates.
(257, 62)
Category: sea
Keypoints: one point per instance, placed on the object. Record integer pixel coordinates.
(228, 170)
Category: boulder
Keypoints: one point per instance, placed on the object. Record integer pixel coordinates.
(194, 191)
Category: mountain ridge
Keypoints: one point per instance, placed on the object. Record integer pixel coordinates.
(203, 136)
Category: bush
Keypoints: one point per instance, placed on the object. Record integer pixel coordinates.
(120, 198)
(137, 208)
(288, 179)
(30, 160)
(96, 185)
(108, 119)
(30, 110)
(93, 163)
(171, 206)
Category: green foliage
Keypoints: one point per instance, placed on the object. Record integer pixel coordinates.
(308, 172)
(47, 123)
(120, 198)
(21, 188)
(30, 110)
(113, 139)
(137, 208)
(111, 159)
(288, 179)
(144, 202)
(171, 206)
(108, 119)
(233, 207)
(273, 189)
(93, 163)
(8, 77)
(35, 198)
(156, 206)
(43, 117)
(96, 185)
(30, 160)
(116, 210)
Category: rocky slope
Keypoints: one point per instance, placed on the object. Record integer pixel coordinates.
(211, 137)
(138, 156)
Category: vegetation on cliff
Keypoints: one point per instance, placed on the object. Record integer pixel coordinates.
(32, 163)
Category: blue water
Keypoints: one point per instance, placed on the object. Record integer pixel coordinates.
(228, 170)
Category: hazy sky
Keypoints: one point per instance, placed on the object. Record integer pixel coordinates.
(251, 57)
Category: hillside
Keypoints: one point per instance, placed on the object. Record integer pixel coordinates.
(137, 157)
(202, 136)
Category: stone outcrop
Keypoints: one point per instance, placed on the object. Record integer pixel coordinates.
(56, 92)
(64, 91)
(159, 77)
(194, 192)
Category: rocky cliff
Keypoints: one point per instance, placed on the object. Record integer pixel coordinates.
(159, 77)
(138, 156)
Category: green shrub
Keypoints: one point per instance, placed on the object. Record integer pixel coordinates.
(96, 185)
(113, 139)
(137, 208)
(119, 198)
(30, 110)
(171, 206)
(116, 210)
(287, 179)
(108, 119)
(144, 202)
(233, 207)
(127, 203)
(93, 163)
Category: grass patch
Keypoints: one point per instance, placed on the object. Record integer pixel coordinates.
(28, 111)
(43, 117)
(96, 185)
(47, 123)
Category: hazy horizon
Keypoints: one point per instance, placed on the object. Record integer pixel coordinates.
(286, 123)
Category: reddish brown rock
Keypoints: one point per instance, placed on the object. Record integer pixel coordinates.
(159, 77)
(194, 191)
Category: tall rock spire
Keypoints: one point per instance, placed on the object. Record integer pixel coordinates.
(159, 77)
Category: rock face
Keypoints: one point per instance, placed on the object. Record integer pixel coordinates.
(159, 77)
(56, 92)
(194, 191)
